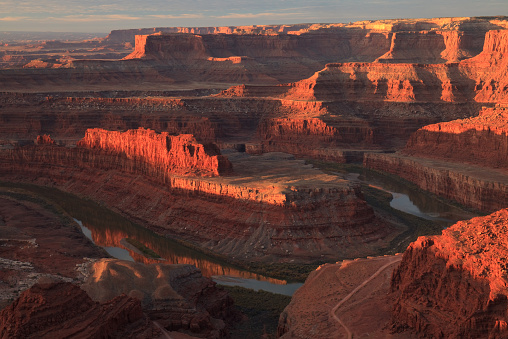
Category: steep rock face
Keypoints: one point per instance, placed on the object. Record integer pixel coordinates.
(317, 215)
(478, 187)
(482, 78)
(455, 285)
(176, 296)
(313, 137)
(61, 310)
(433, 46)
(175, 154)
(385, 82)
(481, 140)
(489, 69)
(316, 46)
(128, 35)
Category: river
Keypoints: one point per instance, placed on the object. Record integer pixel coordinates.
(411, 200)
(114, 232)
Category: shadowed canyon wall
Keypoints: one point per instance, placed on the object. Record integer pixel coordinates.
(60, 310)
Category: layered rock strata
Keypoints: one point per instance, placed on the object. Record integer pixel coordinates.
(435, 155)
(180, 154)
(481, 140)
(482, 78)
(58, 310)
(256, 54)
(455, 285)
(478, 187)
(302, 215)
(112, 234)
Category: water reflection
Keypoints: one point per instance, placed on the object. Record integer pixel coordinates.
(115, 252)
(412, 201)
(110, 231)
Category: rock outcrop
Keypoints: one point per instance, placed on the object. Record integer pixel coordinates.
(178, 297)
(58, 310)
(482, 140)
(455, 285)
(344, 299)
(162, 152)
(435, 159)
(478, 187)
(482, 78)
(38, 243)
(294, 211)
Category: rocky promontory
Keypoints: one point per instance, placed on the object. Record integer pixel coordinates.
(295, 212)
(455, 285)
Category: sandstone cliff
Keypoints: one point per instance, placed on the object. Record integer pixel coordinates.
(455, 285)
(481, 140)
(163, 152)
(64, 310)
(481, 78)
(294, 211)
(482, 188)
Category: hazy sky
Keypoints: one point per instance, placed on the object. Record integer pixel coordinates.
(103, 16)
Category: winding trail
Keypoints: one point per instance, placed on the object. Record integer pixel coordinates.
(347, 297)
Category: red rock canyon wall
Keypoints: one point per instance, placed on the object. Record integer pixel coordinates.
(454, 285)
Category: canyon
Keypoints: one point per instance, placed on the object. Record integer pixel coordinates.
(204, 135)
(295, 213)
(45, 259)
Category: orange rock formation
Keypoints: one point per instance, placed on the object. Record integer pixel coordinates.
(480, 140)
(180, 154)
(455, 285)
(299, 215)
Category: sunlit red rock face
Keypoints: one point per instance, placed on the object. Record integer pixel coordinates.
(435, 155)
(244, 54)
(482, 78)
(281, 209)
(481, 140)
(61, 310)
(455, 285)
(463, 160)
(180, 154)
